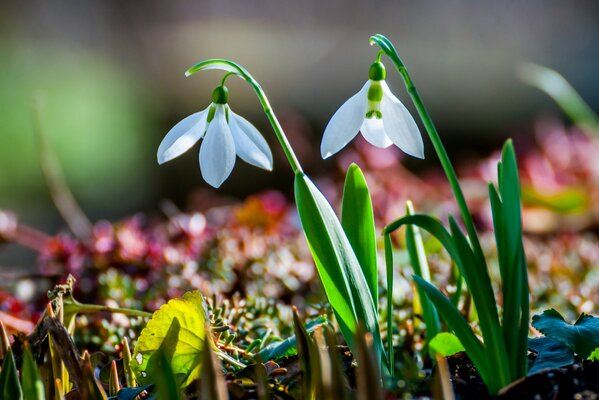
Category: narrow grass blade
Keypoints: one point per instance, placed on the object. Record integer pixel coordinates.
(339, 379)
(357, 219)
(308, 356)
(562, 92)
(89, 387)
(429, 224)
(33, 387)
(419, 263)
(213, 386)
(331, 389)
(10, 387)
(368, 376)
(4, 343)
(113, 382)
(262, 386)
(129, 375)
(337, 265)
(167, 387)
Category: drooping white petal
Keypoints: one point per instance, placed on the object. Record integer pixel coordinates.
(217, 152)
(374, 132)
(345, 123)
(182, 136)
(399, 124)
(249, 143)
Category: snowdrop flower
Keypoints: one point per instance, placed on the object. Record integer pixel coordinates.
(225, 135)
(378, 114)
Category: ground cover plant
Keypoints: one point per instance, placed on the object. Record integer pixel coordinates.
(286, 299)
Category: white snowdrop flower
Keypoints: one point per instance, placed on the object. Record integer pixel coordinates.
(225, 135)
(378, 114)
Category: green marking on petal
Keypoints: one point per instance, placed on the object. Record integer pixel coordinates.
(375, 92)
(211, 113)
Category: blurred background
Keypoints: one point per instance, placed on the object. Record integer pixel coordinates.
(108, 80)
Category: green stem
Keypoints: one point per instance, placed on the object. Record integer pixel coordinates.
(390, 51)
(89, 308)
(236, 69)
(389, 267)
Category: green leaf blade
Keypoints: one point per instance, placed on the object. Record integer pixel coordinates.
(357, 219)
(336, 262)
(458, 324)
(419, 263)
(10, 387)
(33, 386)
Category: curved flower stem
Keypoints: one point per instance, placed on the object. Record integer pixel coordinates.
(236, 69)
(390, 51)
(90, 308)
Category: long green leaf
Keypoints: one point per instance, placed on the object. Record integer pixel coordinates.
(429, 224)
(507, 221)
(419, 263)
(562, 92)
(336, 262)
(357, 219)
(458, 324)
(10, 387)
(477, 278)
(33, 387)
(167, 383)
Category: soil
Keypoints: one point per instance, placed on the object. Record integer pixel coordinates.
(578, 381)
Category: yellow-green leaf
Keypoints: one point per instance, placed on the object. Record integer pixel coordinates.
(178, 330)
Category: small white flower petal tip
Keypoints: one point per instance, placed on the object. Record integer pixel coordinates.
(225, 135)
(378, 115)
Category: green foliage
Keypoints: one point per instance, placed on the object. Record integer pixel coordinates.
(178, 330)
(340, 272)
(287, 347)
(357, 219)
(503, 357)
(570, 200)
(165, 378)
(368, 376)
(309, 361)
(550, 354)
(33, 386)
(446, 344)
(212, 383)
(562, 92)
(10, 387)
(417, 253)
(582, 337)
